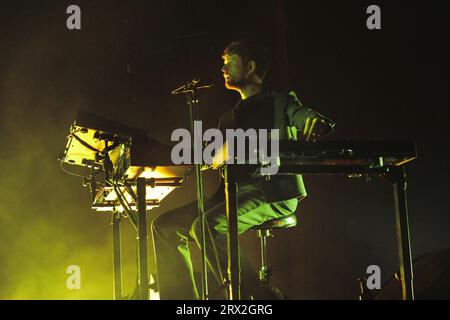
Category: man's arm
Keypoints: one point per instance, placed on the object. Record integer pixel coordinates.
(226, 121)
(309, 123)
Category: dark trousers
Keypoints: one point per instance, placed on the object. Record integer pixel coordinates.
(172, 231)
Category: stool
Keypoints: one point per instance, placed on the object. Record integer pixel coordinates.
(264, 231)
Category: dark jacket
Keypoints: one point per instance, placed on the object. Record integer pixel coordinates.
(289, 116)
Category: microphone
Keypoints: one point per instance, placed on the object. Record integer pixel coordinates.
(192, 85)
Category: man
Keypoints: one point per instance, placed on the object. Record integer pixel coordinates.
(259, 200)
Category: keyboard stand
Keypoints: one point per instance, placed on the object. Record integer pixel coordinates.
(394, 174)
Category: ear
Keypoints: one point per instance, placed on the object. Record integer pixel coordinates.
(251, 67)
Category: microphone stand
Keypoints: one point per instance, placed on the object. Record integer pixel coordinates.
(190, 89)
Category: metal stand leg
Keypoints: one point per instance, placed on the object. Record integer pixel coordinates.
(142, 240)
(232, 235)
(191, 89)
(264, 271)
(398, 178)
(117, 256)
(192, 101)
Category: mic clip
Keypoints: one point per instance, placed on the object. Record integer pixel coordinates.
(191, 86)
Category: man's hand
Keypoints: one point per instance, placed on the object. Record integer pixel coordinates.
(316, 127)
(205, 167)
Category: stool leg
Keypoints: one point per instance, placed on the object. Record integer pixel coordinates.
(264, 271)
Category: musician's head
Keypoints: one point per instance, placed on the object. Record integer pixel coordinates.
(244, 63)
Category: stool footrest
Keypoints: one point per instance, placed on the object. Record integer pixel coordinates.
(264, 274)
(278, 223)
(264, 231)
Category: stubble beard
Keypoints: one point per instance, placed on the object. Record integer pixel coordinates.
(234, 85)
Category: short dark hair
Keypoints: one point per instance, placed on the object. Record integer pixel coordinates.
(248, 51)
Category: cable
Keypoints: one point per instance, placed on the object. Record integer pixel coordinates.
(127, 210)
(84, 143)
(130, 191)
(71, 173)
(125, 206)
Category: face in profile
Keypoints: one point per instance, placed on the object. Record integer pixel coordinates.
(233, 71)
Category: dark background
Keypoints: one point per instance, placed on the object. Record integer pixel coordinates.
(128, 56)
